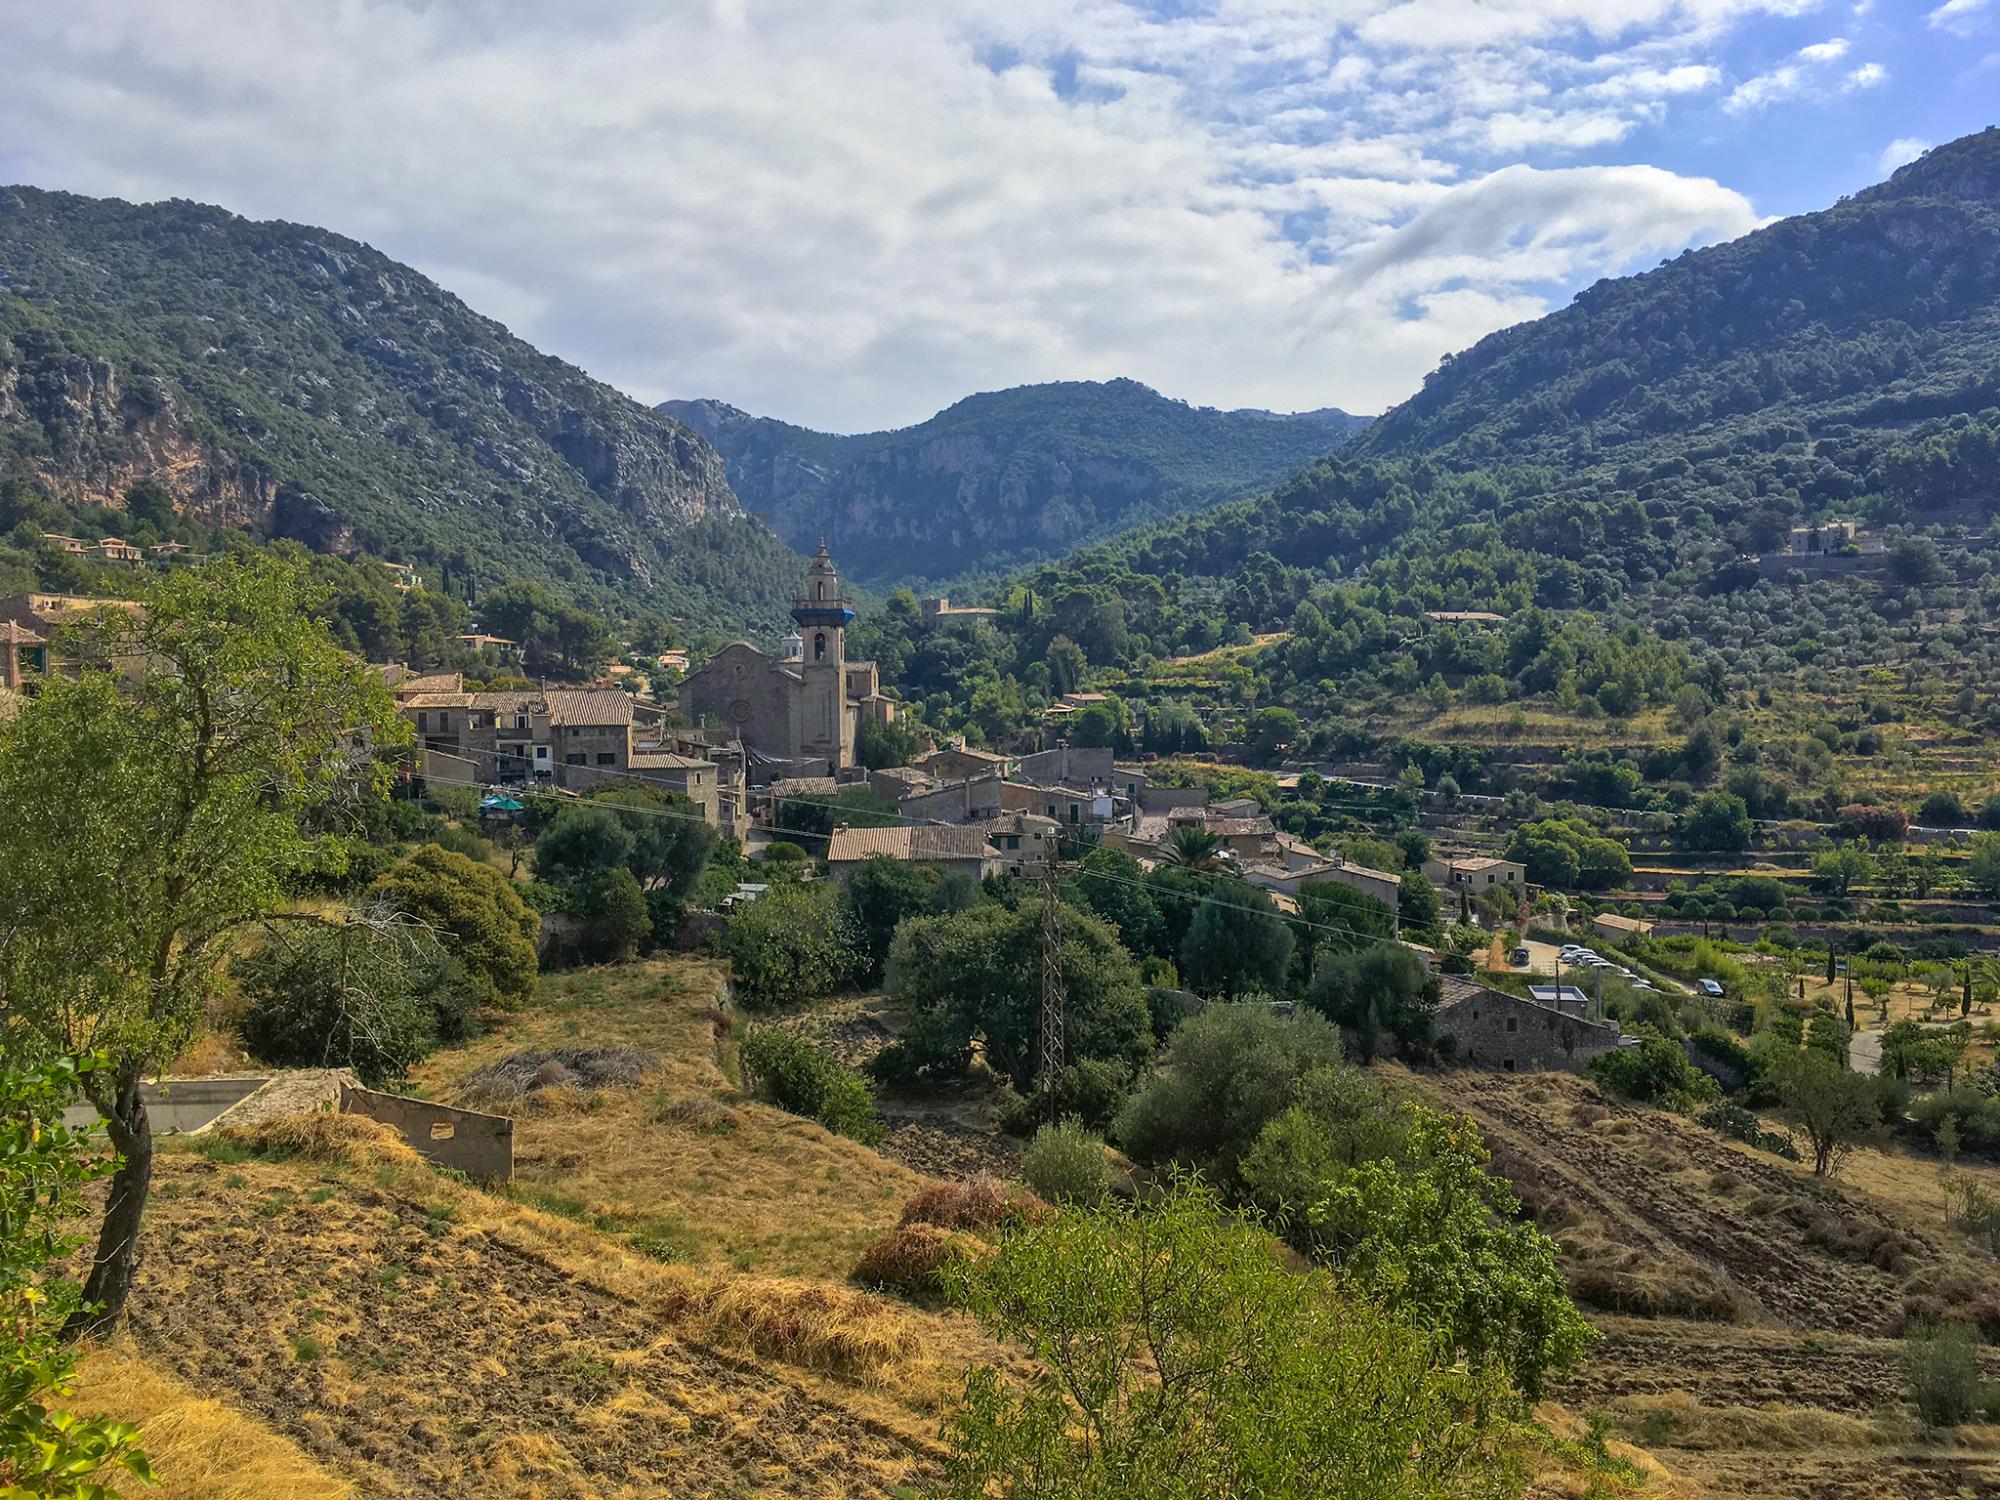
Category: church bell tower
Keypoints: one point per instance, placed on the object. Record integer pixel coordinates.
(826, 728)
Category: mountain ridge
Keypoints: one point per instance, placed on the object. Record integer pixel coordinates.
(1003, 477)
(298, 383)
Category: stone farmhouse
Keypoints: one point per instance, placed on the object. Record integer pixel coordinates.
(1474, 872)
(796, 713)
(950, 851)
(1493, 1029)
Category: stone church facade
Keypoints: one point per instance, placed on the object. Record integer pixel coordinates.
(796, 713)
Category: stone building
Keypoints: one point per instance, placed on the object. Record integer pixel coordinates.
(796, 713)
(950, 851)
(1494, 1029)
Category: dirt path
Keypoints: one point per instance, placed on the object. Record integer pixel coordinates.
(425, 1359)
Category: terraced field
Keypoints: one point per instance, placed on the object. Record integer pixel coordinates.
(1751, 1313)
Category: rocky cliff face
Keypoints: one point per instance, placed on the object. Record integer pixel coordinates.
(1006, 477)
(295, 382)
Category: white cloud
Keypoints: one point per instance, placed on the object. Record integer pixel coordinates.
(1804, 73)
(1901, 152)
(1959, 16)
(850, 215)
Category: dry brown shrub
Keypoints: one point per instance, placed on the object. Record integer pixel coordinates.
(1589, 1114)
(978, 1203)
(1650, 1295)
(807, 1323)
(710, 1116)
(325, 1137)
(1954, 1294)
(1724, 1181)
(911, 1260)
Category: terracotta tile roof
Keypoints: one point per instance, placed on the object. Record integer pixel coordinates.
(906, 843)
(20, 635)
(806, 786)
(435, 700)
(1240, 828)
(429, 682)
(665, 760)
(589, 707)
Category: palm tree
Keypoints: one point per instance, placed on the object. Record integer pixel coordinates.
(1193, 848)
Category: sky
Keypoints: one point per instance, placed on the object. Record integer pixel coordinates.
(850, 213)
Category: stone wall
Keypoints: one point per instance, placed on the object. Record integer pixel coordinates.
(480, 1146)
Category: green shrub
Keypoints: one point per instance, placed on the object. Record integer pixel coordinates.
(1088, 1091)
(375, 1001)
(478, 912)
(1066, 1164)
(613, 921)
(1941, 1373)
(1233, 1069)
(1654, 1072)
(801, 1075)
(794, 943)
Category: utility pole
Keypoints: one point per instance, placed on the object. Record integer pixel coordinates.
(1052, 976)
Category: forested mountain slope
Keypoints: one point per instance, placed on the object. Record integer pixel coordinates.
(1881, 310)
(1840, 364)
(297, 383)
(1005, 477)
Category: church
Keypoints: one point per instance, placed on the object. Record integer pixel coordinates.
(797, 713)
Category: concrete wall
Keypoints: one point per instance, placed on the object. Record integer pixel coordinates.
(1165, 799)
(480, 1146)
(179, 1105)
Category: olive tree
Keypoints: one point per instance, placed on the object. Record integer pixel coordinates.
(1173, 1354)
(154, 807)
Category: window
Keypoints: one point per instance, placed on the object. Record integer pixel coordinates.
(573, 760)
(1512, 1024)
(423, 722)
(1507, 1063)
(520, 721)
(606, 758)
(819, 645)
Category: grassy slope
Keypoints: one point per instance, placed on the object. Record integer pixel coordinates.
(596, 1329)
(758, 1189)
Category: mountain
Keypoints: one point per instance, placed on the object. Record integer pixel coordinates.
(296, 383)
(1840, 364)
(1882, 310)
(1006, 477)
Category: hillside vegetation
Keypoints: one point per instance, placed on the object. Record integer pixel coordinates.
(1005, 477)
(297, 383)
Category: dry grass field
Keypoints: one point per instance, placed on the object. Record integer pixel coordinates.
(1751, 1312)
(656, 1306)
(682, 1163)
(200, 1448)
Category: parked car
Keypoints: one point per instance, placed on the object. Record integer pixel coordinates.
(1712, 988)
